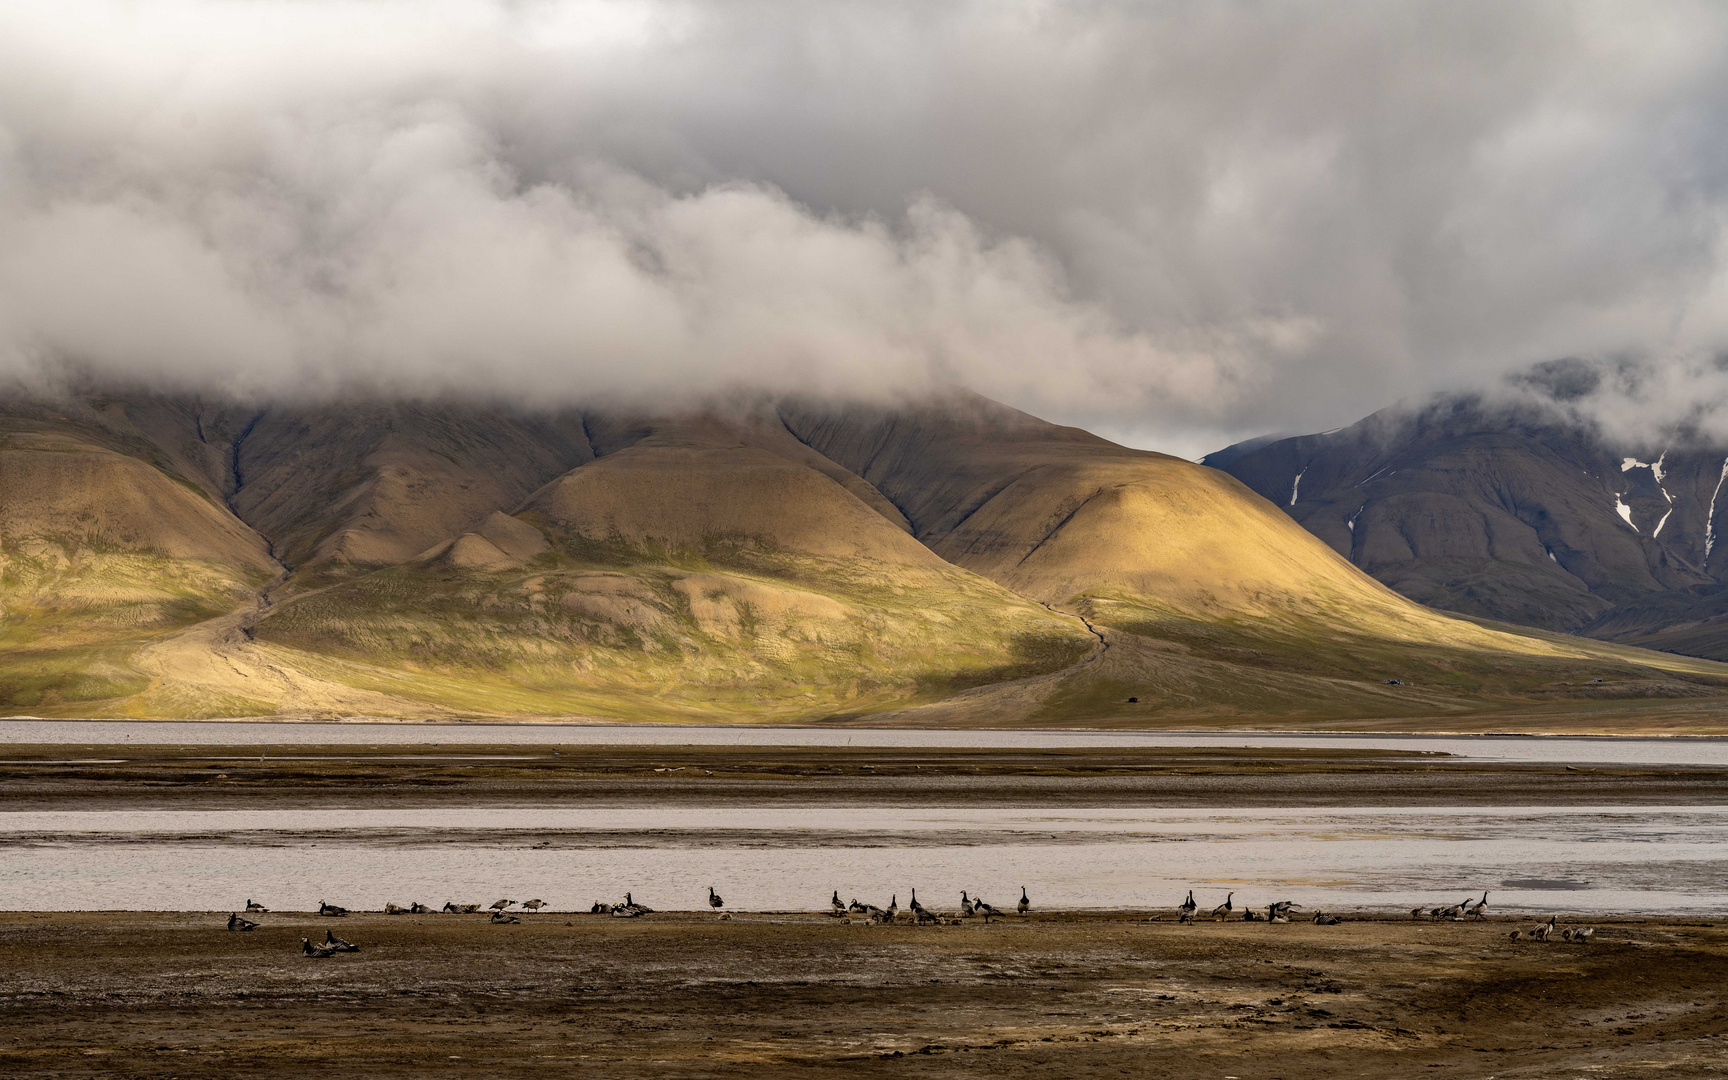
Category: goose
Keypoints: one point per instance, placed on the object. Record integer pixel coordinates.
(316, 952)
(1282, 907)
(894, 906)
(1225, 908)
(1583, 934)
(1516, 935)
(641, 909)
(857, 908)
(836, 905)
(331, 941)
(235, 922)
(500, 905)
(331, 910)
(624, 911)
(1277, 914)
(1024, 905)
(392, 909)
(1185, 913)
(1416, 913)
(1323, 919)
(533, 905)
(460, 909)
(1249, 915)
(1544, 930)
(985, 910)
(500, 917)
(1456, 911)
(1481, 906)
(966, 911)
(600, 908)
(253, 905)
(418, 908)
(921, 914)
(714, 900)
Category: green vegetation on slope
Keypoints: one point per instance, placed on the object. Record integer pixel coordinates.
(650, 632)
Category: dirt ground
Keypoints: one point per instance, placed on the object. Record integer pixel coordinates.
(99, 777)
(691, 995)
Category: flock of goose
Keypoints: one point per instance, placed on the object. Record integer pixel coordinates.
(1279, 911)
(970, 907)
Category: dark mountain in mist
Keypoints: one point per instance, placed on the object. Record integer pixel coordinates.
(1511, 513)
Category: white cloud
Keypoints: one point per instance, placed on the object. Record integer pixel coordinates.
(1178, 221)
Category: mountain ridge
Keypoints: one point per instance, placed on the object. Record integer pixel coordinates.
(945, 561)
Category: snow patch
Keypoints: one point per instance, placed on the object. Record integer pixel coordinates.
(1297, 486)
(1552, 559)
(1658, 530)
(1628, 464)
(1710, 520)
(1624, 511)
(1656, 469)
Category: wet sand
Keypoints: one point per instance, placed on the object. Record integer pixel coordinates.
(1070, 995)
(115, 777)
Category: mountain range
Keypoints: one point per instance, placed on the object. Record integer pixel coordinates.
(946, 561)
(1515, 513)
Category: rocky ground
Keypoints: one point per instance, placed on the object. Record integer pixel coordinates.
(1068, 995)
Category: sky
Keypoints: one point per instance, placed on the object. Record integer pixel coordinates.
(1177, 224)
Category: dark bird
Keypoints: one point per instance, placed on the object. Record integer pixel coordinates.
(839, 908)
(966, 911)
(985, 910)
(392, 909)
(1481, 908)
(419, 909)
(334, 943)
(600, 908)
(1024, 905)
(857, 908)
(1223, 910)
(500, 905)
(1185, 913)
(714, 900)
(533, 905)
(1323, 919)
(316, 952)
(500, 917)
(235, 922)
(253, 905)
(331, 910)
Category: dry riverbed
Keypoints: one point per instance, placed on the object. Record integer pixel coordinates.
(1063, 995)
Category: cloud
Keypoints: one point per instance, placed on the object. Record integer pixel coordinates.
(1177, 222)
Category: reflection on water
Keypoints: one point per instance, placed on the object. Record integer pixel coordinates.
(1584, 860)
(1604, 749)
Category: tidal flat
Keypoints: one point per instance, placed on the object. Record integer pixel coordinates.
(1088, 984)
(1063, 994)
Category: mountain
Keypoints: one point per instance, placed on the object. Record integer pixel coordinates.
(953, 561)
(1512, 513)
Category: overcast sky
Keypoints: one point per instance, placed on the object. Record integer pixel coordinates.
(1177, 223)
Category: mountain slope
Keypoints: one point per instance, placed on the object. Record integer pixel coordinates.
(687, 571)
(955, 562)
(1509, 514)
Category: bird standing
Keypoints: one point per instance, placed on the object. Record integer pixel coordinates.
(714, 900)
(1024, 905)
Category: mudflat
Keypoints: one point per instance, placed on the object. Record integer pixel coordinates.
(113, 777)
(685, 994)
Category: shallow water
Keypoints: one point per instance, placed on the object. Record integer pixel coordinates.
(1577, 859)
(1532, 748)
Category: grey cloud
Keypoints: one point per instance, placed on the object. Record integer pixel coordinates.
(1176, 222)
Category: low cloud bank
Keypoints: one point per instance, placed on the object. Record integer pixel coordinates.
(1175, 222)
